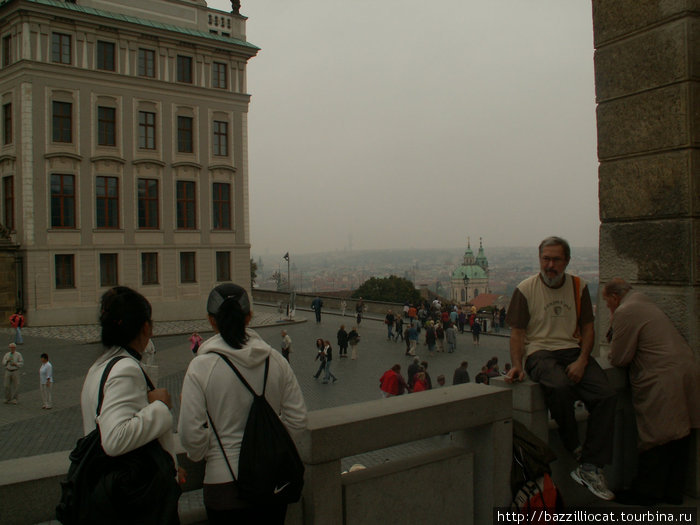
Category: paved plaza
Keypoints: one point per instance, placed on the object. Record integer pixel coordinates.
(27, 430)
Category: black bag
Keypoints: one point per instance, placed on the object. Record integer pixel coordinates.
(270, 471)
(138, 487)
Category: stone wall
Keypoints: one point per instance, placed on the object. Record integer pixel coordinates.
(647, 76)
(647, 73)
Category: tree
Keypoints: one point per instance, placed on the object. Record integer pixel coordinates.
(390, 289)
(253, 272)
(281, 281)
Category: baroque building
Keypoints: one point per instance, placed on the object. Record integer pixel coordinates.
(123, 153)
(471, 278)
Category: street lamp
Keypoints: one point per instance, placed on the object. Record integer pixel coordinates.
(466, 288)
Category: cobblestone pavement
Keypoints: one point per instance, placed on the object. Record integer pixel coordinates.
(26, 429)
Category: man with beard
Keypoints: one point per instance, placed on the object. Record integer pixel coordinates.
(551, 319)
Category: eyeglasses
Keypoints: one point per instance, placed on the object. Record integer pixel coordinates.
(555, 260)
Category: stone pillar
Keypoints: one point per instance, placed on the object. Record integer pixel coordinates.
(647, 64)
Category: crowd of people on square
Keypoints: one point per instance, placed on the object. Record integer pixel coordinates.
(552, 336)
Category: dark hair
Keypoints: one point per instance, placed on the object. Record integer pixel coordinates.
(556, 241)
(44, 356)
(396, 368)
(123, 312)
(230, 320)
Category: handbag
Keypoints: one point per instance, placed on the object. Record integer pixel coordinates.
(138, 487)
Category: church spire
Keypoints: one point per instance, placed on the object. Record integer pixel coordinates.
(481, 259)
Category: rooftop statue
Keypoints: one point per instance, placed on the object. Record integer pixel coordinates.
(236, 7)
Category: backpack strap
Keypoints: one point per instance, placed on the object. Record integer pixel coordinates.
(577, 296)
(105, 375)
(240, 376)
(221, 446)
(250, 389)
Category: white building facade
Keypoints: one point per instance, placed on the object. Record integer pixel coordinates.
(123, 155)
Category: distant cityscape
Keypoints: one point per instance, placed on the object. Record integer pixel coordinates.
(347, 270)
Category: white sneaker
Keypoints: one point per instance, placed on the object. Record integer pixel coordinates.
(593, 480)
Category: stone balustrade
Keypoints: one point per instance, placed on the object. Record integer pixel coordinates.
(470, 427)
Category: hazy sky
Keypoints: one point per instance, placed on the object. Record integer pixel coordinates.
(416, 124)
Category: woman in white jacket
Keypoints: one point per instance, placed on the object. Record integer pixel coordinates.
(131, 416)
(211, 386)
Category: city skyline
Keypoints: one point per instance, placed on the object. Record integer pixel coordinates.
(479, 116)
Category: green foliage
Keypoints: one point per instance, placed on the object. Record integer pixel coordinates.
(391, 289)
(253, 272)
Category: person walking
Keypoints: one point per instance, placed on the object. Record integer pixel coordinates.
(46, 382)
(354, 340)
(412, 339)
(316, 306)
(212, 397)
(12, 361)
(321, 357)
(17, 322)
(399, 328)
(389, 322)
(328, 353)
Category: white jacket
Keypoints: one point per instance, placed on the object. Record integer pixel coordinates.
(127, 420)
(210, 385)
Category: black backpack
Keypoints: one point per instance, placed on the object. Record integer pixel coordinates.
(138, 487)
(270, 471)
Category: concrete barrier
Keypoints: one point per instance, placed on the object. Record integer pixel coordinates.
(472, 424)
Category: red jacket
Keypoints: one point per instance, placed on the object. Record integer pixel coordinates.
(419, 385)
(392, 383)
(16, 320)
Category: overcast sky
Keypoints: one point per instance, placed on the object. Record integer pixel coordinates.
(416, 124)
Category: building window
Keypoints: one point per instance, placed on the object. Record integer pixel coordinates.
(147, 130)
(148, 203)
(184, 134)
(106, 126)
(186, 205)
(65, 271)
(149, 268)
(223, 266)
(6, 50)
(108, 269)
(219, 79)
(147, 63)
(8, 197)
(184, 69)
(62, 122)
(220, 138)
(107, 202)
(105, 55)
(62, 201)
(221, 204)
(187, 269)
(60, 48)
(7, 124)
